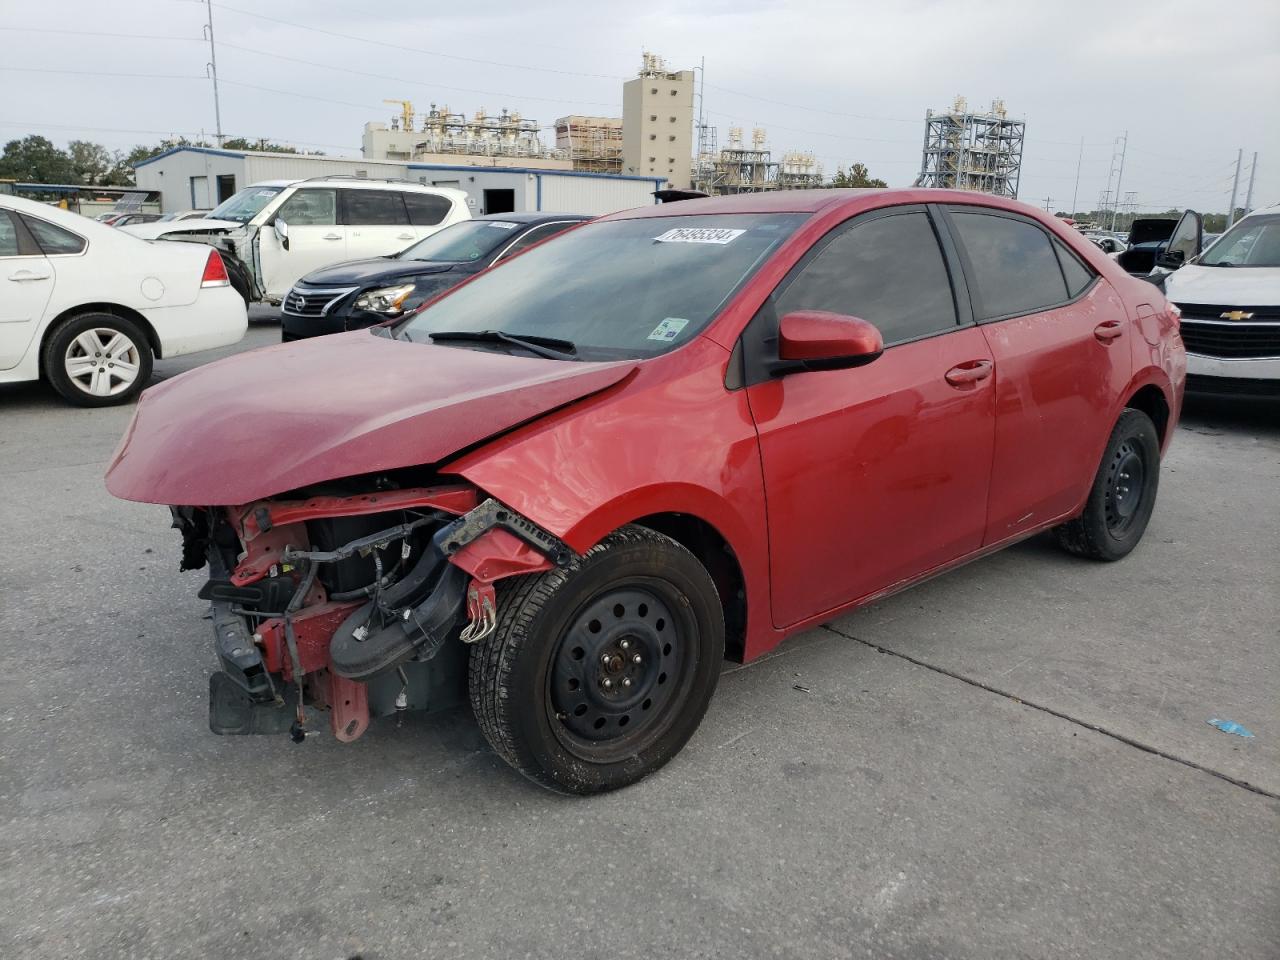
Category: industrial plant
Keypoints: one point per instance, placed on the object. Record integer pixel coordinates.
(967, 150)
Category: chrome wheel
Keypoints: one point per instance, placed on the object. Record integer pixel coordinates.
(102, 362)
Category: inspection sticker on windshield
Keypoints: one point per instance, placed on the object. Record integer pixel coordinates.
(699, 235)
(669, 328)
(503, 224)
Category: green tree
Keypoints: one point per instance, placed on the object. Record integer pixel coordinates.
(92, 162)
(35, 159)
(858, 176)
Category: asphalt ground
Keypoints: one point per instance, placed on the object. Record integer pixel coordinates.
(1013, 760)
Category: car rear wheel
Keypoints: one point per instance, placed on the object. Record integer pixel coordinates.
(98, 360)
(600, 672)
(1123, 494)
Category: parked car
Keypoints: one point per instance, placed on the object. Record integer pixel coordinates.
(1109, 244)
(127, 219)
(1229, 295)
(183, 215)
(568, 487)
(281, 230)
(1148, 238)
(360, 293)
(87, 307)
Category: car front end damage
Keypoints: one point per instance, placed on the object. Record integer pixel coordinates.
(359, 603)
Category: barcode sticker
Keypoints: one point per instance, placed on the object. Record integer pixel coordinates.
(718, 235)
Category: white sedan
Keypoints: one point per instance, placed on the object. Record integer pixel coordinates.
(87, 307)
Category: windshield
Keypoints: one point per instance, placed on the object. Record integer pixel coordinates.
(615, 289)
(462, 242)
(1253, 242)
(245, 205)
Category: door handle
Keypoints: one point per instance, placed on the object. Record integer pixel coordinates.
(26, 276)
(405, 236)
(970, 372)
(333, 236)
(1108, 330)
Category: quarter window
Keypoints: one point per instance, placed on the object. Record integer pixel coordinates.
(375, 208)
(427, 209)
(8, 236)
(53, 240)
(1014, 266)
(310, 208)
(1077, 274)
(886, 270)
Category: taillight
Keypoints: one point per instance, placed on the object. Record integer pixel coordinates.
(215, 271)
(1175, 314)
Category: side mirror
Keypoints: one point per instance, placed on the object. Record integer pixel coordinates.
(282, 232)
(818, 340)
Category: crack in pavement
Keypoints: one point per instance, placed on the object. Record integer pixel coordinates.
(1096, 728)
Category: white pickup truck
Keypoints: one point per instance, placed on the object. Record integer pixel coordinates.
(272, 233)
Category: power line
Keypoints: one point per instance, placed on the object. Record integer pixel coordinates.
(430, 53)
(23, 124)
(98, 33)
(406, 80)
(103, 73)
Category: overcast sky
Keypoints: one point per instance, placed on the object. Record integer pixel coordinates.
(1190, 81)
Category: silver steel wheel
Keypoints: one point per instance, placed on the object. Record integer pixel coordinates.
(102, 362)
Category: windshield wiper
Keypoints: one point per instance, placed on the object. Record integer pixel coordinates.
(550, 347)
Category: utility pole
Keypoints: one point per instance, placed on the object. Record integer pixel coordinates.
(1124, 148)
(1047, 201)
(702, 130)
(1248, 196)
(1075, 194)
(212, 66)
(1235, 188)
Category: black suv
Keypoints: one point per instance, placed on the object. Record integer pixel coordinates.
(360, 293)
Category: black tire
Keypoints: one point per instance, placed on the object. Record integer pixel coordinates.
(538, 682)
(1123, 495)
(104, 326)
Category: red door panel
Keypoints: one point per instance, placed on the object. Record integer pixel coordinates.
(1058, 374)
(875, 474)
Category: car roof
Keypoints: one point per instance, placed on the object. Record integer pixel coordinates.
(815, 201)
(531, 217)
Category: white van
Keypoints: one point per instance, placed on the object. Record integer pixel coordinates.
(280, 230)
(1229, 296)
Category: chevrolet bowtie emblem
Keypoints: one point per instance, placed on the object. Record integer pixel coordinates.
(1237, 315)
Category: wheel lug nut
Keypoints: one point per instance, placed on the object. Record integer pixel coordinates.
(636, 658)
(626, 681)
(608, 684)
(624, 643)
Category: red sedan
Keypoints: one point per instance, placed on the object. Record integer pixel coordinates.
(568, 488)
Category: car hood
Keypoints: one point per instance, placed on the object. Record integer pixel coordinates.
(288, 416)
(156, 229)
(371, 271)
(1230, 286)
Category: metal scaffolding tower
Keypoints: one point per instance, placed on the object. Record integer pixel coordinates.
(964, 150)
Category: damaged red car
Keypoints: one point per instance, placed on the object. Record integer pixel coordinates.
(566, 490)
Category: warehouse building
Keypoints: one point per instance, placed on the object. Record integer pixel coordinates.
(188, 178)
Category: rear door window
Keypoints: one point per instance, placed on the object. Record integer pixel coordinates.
(427, 209)
(53, 240)
(310, 207)
(1015, 270)
(887, 270)
(375, 208)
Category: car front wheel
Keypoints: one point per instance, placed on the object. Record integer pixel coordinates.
(598, 673)
(1123, 493)
(98, 360)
